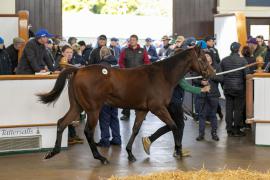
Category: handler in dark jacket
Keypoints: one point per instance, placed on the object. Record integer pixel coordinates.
(35, 58)
(132, 56)
(5, 62)
(208, 102)
(151, 50)
(234, 90)
(176, 111)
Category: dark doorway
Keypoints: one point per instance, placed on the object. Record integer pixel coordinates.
(43, 14)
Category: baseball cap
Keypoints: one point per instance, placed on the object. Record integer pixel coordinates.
(114, 39)
(148, 39)
(43, 33)
(103, 37)
(207, 38)
(235, 46)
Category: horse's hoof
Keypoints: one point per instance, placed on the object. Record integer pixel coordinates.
(132, 158)
(50, 155)
(105, 161)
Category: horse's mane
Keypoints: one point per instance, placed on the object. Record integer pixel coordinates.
(169, 63)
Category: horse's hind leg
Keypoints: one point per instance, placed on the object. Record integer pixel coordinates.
(140, 115)
(89, 131)
(62, 123)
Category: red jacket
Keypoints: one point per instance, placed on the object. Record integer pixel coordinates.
(121, 60)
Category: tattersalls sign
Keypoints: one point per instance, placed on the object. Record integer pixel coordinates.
(257, 2)
(18, 132)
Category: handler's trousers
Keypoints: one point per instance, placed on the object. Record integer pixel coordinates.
(176, 112)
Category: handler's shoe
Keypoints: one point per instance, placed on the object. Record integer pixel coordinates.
(124, 118)
(146, 144)
(200, 137)
(184, 153)
(215, 136)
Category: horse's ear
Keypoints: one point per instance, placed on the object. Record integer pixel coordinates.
(198, 48)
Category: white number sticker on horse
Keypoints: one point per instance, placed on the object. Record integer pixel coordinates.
(104, 71)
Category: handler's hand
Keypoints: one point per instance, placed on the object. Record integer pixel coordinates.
(42, 71)
(56, 72)
(204, 82)
(206, 89)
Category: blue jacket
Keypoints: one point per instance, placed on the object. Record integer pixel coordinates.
(153, 53)
(116, 51)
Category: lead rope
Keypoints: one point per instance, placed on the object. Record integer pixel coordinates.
(225, 72)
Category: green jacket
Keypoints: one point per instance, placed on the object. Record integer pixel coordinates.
(260, 51)
(188, 87)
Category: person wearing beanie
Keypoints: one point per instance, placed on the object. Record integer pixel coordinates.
(202, 44)
(189, 43)
(234, 90)
(5, 62)
(35, 58)
(95, 54)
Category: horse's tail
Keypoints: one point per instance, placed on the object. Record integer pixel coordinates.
(55, 93)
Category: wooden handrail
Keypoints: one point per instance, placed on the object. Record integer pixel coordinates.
(252, 121)
(27, 77)
(249, 97)
(261, 75)
(27, 125)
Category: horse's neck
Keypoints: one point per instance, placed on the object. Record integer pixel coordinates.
(179, 66)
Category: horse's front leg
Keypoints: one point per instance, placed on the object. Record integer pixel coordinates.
(164, 115)
(140, 115)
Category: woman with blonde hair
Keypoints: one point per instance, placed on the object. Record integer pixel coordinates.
(108, 117)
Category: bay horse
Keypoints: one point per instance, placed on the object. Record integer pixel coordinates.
(145, 88)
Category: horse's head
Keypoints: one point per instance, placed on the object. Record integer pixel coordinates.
(200, 63)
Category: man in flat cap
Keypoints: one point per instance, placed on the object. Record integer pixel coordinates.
(165, 51)
(13, 51)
